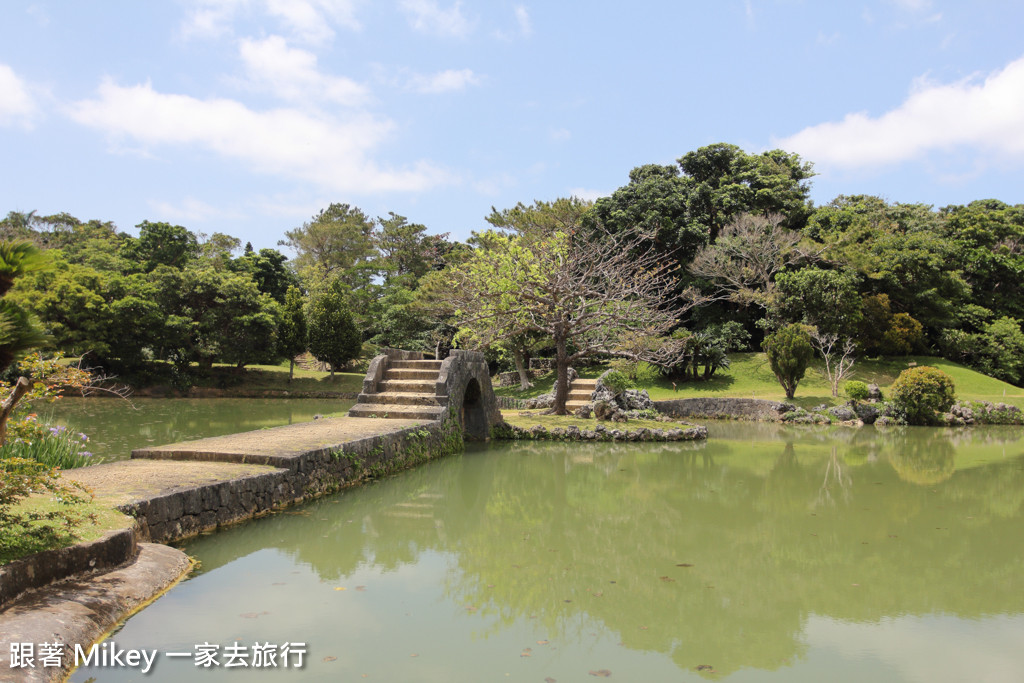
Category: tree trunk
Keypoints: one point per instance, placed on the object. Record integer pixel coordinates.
(291, 368)
(524, 378)
(20, 389)
(562, 377)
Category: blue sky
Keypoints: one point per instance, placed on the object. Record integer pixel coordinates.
(248, 116)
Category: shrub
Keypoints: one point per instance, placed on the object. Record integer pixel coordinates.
(856, 390)
(919, 393)
(789, 353)
(616, 381)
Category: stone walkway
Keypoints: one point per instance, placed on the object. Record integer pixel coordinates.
(278, 446)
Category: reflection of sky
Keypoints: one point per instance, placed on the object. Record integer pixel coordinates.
(930, 649)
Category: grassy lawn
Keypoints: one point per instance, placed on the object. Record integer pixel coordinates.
(275, 378)
(750, 377)
(107, 519)
(252, 379)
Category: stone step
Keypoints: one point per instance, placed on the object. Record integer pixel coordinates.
(404, 373)
(573, 405)
(584, 382)
(392, 410)
(577, 395)
(415, 364)
(406, 386)
(398, 398)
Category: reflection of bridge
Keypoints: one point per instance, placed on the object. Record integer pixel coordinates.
(404, 385)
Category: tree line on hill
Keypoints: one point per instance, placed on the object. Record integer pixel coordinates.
(678, 267)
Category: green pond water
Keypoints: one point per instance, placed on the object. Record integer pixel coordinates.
(115, 426)
(767, 554)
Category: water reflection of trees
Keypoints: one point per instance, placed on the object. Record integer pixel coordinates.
(558, 532)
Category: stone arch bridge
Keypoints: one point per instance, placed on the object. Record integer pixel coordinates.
(404, 385)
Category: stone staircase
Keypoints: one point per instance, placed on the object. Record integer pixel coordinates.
(407, 390)
(579, 393)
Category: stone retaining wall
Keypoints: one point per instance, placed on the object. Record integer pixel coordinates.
(725, 408)
(114, 549)
(188, 512)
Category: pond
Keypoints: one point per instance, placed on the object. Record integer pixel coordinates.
(767, 554)
(115, 427)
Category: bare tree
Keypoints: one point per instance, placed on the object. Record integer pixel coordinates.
(589, 293)
(838, 357)
(742, 263)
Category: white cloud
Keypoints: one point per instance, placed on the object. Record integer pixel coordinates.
(17, 106)
(559, 134)
(191, 210)
(329, 151)
(984, 116)
(523, 19)
(588, 195)
(913, 5)
(449, 80)
(292, 74)
(426, 16)
(307, 20)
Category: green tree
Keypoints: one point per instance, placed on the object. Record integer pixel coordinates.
(789, 353)
(407, 251)
(267, 268)
(293, 334)
(826, 299)
(161, 244)
(338, 240)
(333, 337)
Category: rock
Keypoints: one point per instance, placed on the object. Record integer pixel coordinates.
(867, 412)
(819, 408)
(885, 421)
(539, 402)
(874, 392)
(633, 399)
(843, 413)
(619, 416)
(584, 411)
(538, 432)
(782, 408)
(572, 432)
(604, 410)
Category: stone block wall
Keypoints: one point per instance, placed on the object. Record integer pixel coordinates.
(188, 512)
(727, 408)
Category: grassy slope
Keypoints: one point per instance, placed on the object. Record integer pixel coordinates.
(750, 377)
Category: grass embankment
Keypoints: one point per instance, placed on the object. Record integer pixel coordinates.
(750, 377)
(107, 519)
(250, 381)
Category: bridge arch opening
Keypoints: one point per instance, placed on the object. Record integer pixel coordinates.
(475, 423)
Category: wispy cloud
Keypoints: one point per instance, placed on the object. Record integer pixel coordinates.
(191, 210)
(293, 75)
(426, 16)
(589, 195)
(450, 80)
(333, 152)
(306, 20)
(17, 105)
(985, 116)
(523, 19)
